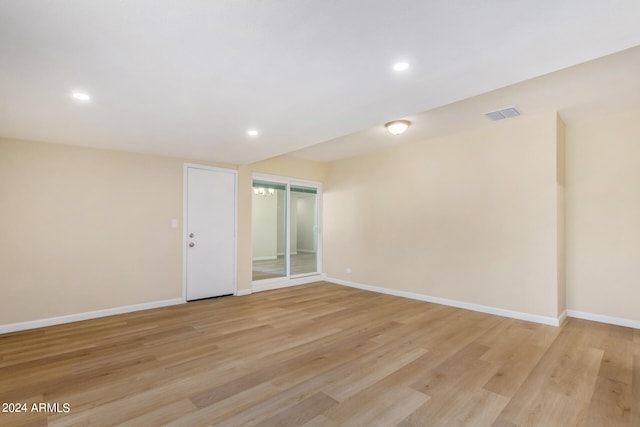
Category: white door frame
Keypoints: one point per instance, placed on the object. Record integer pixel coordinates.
(185, 189)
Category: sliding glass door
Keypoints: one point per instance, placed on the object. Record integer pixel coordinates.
(285, 225)
(303, 239)
(268, 225)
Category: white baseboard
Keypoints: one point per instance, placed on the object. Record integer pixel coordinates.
(32, 324)
(270, 285)
(453, 303)
(243, 292)
(562, 318)
(629, 323)
(264, 258)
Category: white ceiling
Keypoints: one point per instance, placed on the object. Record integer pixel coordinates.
(188, 78)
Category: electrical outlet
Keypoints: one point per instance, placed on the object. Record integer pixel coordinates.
(348, 270)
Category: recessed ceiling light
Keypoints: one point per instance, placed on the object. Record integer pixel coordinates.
(397, 127)
(401, 66)
(80, 96)
(252, 132)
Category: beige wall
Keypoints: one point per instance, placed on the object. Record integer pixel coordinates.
(290, 167)
(475, 217)
(471, 217)
(561, 219)
(603, 215)
(85, 229)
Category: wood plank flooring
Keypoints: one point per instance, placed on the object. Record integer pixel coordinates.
(321, 355)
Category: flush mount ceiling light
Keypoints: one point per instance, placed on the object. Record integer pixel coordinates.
(397, 127)
(80, 96)
(252, 132)
(401, 66)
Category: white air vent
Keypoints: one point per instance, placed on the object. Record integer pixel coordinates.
(503, 114)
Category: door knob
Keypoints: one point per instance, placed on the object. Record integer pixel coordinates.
(191, 244)
(191, 234)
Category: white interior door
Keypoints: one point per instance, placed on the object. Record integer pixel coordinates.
(210, 268)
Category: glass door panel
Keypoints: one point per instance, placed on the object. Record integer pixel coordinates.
(303, 237)
(269, 230)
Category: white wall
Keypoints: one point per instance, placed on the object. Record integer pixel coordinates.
(264, 224)
(306, 221)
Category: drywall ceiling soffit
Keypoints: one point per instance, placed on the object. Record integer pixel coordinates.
(606, 85)
(189, 78)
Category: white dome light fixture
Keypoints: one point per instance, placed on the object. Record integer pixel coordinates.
(397, 127)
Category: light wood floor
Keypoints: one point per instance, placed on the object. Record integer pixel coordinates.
(323, 354)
